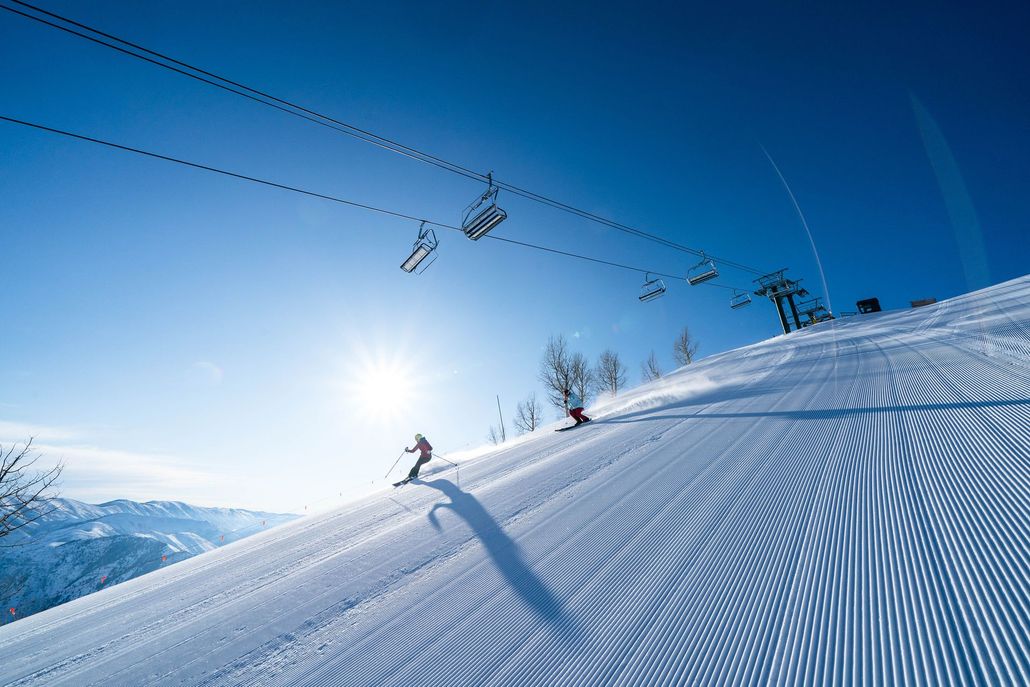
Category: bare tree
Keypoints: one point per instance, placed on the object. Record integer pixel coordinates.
(610, 372)
(556, 370)
(25, 493)
(650, 368)
(583, 378)
(528, 414)
(494, 436)
(684, 347)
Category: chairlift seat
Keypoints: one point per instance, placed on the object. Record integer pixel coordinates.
(652, 289)
(702, 273)
(477, 225)
(487, 218)
(424, 247)
(416, 262)
(739, 300)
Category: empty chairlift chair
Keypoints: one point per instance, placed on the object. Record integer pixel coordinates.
(651, 289)
(739, 299)
(424, 247)
(482, 216)
(702, 271)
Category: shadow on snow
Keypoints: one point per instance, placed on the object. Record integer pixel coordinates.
(504, 553)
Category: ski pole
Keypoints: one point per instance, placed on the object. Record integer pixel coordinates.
(457, 469)
(437, 455)
(394, 464)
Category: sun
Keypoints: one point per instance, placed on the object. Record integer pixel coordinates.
(382, 390)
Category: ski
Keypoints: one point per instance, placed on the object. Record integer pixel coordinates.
(563, 429)
(402, 482)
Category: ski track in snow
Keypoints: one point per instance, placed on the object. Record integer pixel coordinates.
(844, 505)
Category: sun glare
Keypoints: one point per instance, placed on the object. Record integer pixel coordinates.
(382, 390)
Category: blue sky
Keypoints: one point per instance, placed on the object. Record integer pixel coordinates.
(174, 334)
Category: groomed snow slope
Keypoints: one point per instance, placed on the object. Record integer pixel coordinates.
(844, 505)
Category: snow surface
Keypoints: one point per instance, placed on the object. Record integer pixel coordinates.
(847, 504)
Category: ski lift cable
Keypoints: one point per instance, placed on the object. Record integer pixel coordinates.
(619, 226)
(345, 128)
(606, 262)
(350, 129)
(208, 168)
(315, 194)
(316, 119)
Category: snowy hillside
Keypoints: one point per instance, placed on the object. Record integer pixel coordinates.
(79, 548)
(847, 504)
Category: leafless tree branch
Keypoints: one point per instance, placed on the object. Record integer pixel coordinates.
(556, 370)
(582, 377)
(25, 493)
(528, 414)
(650, 368)
(610, 372)
(684, 347)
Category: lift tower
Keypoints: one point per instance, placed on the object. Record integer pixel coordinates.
(780, 290)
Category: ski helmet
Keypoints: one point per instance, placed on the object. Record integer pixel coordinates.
(418, 437)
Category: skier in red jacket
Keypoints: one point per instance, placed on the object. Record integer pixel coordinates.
(421, 444)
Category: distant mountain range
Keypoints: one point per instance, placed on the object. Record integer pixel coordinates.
(80, 548)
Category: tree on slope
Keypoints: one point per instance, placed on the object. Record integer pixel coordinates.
(556, 370)
(684, 347)
(528, 414)
(25, 492)
(610, 372)
(650, 369)
(582, 377)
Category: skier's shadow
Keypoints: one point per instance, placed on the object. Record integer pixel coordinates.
(504, 553)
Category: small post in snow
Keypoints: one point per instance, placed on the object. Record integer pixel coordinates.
(501, 418)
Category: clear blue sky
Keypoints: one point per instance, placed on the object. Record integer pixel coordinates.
(175, 334)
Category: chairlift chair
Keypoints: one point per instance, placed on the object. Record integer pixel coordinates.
(702, 271)
(739, 299)
(424, 247)
(476, 222)
(651, 289)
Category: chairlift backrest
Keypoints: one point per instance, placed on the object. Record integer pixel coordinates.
(651, 289)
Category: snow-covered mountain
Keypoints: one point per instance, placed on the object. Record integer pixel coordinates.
(79, 548)
(847, 504)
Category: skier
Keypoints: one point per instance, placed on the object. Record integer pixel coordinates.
(575, 405)
(421, 444)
